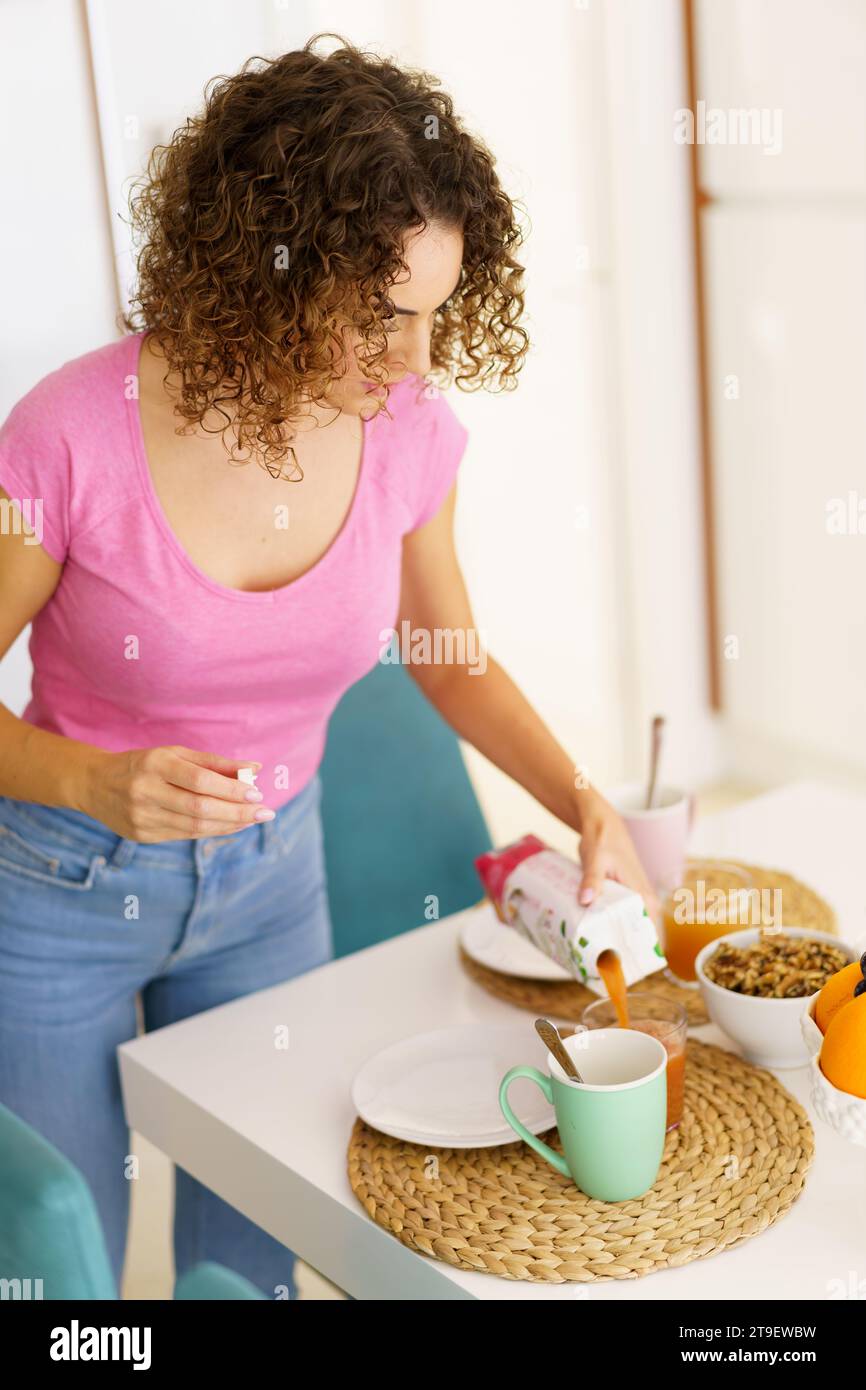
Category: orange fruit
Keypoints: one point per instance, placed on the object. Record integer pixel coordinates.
(843, 1051)
(838, 990)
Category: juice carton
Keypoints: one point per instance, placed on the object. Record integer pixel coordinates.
(534, 889)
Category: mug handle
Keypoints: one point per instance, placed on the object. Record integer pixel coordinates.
(533, 1074)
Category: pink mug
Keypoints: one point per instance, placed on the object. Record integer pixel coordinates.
(660, 836)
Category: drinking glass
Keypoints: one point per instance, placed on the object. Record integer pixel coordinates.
(662, 1019)
(712, 899)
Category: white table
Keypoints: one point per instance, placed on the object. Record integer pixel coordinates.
(267, 1129)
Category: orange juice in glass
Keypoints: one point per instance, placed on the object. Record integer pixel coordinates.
(712, 900)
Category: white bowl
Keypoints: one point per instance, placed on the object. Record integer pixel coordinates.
(838, 1109)
(812, 1035)
(843, 1112)
(769, 1032)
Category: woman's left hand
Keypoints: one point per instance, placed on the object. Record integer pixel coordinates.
(606, 851)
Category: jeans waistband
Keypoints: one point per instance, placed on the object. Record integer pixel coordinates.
(81, 832)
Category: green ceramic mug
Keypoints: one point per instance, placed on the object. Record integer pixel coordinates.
(612, 1127)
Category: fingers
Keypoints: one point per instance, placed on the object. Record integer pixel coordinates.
(591, 885)
(207, 783)
(177, 790)
(592, 881)
(651, 903)
(215, 760)
(596, 870)
(638, 881)
(199, 810)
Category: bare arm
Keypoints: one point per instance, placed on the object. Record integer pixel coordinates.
(491, 713)
(34, 765)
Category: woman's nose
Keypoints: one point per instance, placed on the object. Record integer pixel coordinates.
(414, 353)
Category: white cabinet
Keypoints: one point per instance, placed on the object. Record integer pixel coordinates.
(804, 61)
(785, 285)
(786, 374)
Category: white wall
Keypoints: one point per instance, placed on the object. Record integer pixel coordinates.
(786, 256)
(655, 391)
(575, 485)
(56, 285)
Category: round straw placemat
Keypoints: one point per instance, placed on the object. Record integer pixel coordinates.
(730, 1170)
(801, 905)
(566, 999)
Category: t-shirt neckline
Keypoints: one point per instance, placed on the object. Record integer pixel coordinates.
(261, 596)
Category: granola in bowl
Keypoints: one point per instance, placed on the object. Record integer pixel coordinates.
(746, 1000)
(776, 966)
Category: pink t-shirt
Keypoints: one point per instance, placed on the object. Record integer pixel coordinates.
(137, 647)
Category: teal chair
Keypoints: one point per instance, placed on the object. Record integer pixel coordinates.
(50, 1229)
(401, 821)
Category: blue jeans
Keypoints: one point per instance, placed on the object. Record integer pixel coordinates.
(89, 920)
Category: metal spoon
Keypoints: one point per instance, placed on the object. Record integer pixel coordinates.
(658, 726)
(553, 1042)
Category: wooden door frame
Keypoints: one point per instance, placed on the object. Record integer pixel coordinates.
(700, 200)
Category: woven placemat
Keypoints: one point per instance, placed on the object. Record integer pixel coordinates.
(735, 1165)
(566, 999)
(801, 905)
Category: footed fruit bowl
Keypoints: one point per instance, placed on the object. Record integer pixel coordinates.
(838, 1109)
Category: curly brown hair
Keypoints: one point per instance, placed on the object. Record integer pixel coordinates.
(281, 210)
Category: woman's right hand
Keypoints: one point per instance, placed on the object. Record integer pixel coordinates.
(155, 794)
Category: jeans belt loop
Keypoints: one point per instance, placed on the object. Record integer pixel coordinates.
(268, 830)
(122, 854)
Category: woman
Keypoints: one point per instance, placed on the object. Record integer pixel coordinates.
(314, 247)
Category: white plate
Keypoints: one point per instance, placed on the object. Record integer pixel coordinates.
(489, 942)
(442, 1088)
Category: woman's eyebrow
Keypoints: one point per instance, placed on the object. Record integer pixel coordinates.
(414, 312)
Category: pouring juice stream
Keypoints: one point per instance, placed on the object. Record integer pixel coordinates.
(610, 970)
